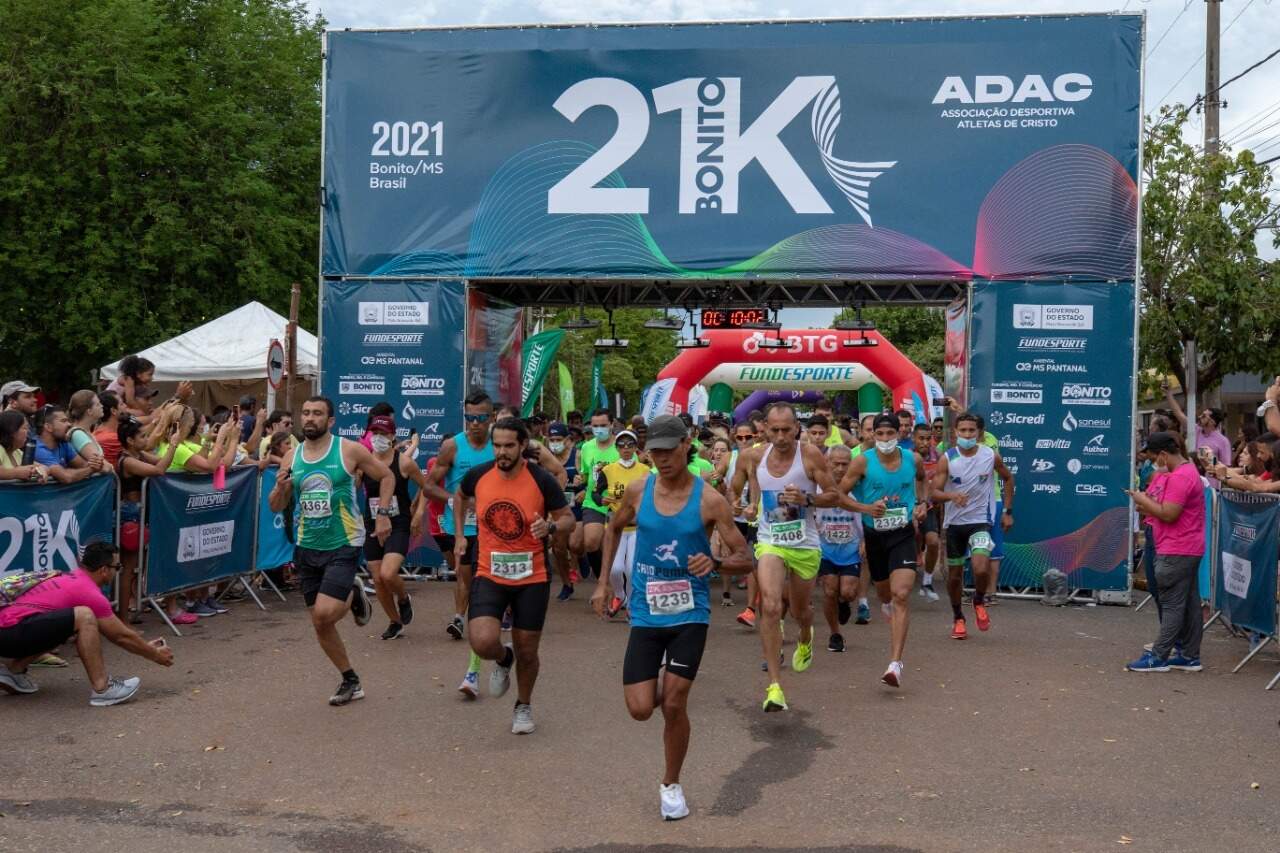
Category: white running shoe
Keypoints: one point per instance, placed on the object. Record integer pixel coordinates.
(522, 720)
(893, 675)
(673, 805)
(118, 690)
(500, 678)
(928, 593)
(887, 609)
(470, 686)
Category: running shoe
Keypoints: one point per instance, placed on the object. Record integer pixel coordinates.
(215, 605)
(16, 682)
(500, 678)
(614, 606)
(360, 609)
(201, 610)
(1177, 661)
(886, 610)
(118, 690)
(506, 619)
(182, 617)
(348, 691)
(566, 592)
(845, 612)
(802, 658)
(774, 699)
(836, 643)
(893, 675)
(958, 631)
(522, 720)
(52, 661)
(470, 686)
(406, 609)
(673, 805)
(864, 614)
(574, 577)
(980, 616)
(726, 600)
(394, 631)
(455, 628)
(1148, 663)
(782, 663)
(927, 592)
(747, 617)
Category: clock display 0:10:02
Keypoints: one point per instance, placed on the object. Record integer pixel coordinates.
(733, 318)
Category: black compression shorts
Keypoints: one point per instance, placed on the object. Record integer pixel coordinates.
(682, 646)
(38, 633)
(397, 543)
(528, 602)
(888, 551)
(329, 572)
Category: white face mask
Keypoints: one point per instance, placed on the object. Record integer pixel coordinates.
(556, 446)
(381, 443)
(887, 446)
(627, 463)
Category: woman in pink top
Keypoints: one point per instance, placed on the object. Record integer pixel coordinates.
(1175, 504)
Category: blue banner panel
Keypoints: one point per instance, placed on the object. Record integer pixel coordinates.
(399, 342)
(47, 526)
(199, 534)
(1248, 543)
(932, 148)
(1051, 370)
(274, 547)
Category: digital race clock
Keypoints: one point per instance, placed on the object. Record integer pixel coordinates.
(733, 318)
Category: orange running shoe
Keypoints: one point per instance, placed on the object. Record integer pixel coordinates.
(615, 606)
(981, 617)
(958, 631)
(747, 617)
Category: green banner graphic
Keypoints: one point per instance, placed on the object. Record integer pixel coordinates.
(566, 391)
(535, 361)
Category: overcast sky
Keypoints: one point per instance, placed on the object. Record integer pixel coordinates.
(1175, 41)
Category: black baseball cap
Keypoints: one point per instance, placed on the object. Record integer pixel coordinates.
(665, 433)
(1161, 442)
(557, 430)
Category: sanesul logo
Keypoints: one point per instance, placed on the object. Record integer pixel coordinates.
(1071, 423)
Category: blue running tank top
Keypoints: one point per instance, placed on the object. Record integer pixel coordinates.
(898, 488)
(465, 457)
(663, 593)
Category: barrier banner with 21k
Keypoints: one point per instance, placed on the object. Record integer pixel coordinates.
(398, 342)
(199, 534)
(1051, 370)
(1247, 543)
(941, 148)
(47, 526)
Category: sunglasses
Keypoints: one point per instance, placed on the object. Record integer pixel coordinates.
(743, 437)
(625, 443)
(116, 567)
(475, 419)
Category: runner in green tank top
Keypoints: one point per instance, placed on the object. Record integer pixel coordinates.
(318, 477)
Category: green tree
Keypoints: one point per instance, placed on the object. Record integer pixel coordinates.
(918, 333)
(627, 371)
(1202, 279)
(158, 166)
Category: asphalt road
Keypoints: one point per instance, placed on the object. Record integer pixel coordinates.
(1030, 737)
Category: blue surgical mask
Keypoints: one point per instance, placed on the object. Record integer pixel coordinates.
(601, 433)
(966, 443)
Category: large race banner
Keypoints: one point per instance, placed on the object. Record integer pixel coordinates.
(395, 341)
(928, 148)
(47, 526)
(199, 533)
(1051, 370)
(1248, 541)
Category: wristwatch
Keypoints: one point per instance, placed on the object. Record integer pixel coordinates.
(384, 511)
(551, 529)
(715, 564)
(808, 499)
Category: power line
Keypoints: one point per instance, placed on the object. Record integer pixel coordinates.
(1200, 98)
(1192, 66)
(1168, 29)
(1241, 141)
(1243, 129)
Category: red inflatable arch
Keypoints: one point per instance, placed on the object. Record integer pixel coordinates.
(810, 357)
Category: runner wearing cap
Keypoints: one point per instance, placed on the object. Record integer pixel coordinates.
(791, 479)
(610, 486)
(386, 558)
(674, 514)
(891, 492)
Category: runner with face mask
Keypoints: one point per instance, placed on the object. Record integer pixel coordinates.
(597, 452)
(610, 486)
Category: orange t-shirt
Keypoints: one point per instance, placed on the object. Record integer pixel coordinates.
(508, 552)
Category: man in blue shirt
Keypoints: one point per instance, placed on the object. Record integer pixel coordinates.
(56, 453)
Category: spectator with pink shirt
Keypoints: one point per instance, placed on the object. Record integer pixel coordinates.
(1209, 432)
(72, 605)
(1174, 502)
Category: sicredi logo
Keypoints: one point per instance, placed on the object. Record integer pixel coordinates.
(394, 313)
(354, 387)
(999, 89)
(1045, 488)
(214, 500)
(393, 339)
(417, 385)
(1024, 396)
(1077, 317)
(1080, 394)
(1015, 419)
(1052, 444)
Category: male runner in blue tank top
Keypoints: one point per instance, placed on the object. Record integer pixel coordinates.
(670, 605)
(891, 491)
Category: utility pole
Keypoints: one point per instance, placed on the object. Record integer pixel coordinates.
(1211, 105)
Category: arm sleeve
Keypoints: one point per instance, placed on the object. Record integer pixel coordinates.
(552, 497)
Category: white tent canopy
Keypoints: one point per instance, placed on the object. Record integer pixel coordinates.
(232, 347)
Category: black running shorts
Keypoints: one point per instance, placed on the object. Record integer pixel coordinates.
(890, 550)
(38, 633)
(331, 573)
(528, 602)
(682, 646)
(961, 539)
(397, 543)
